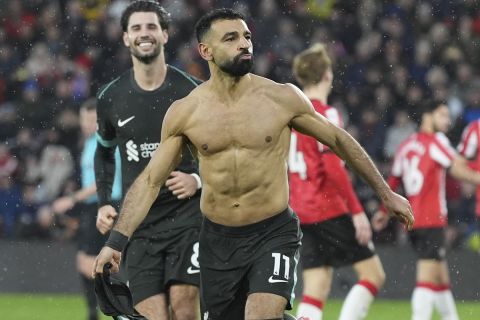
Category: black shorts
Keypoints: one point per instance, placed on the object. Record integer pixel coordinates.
(154, 264)
(429, 243)
(89, 239)
(237, 261)
(332, 243)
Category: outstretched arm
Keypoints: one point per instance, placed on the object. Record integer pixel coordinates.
(462, 170)
(307, 121)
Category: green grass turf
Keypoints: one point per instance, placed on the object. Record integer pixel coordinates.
(72, 307)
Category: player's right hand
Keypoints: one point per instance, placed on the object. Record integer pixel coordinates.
(380, 220)
(182, 185)
(400, 208)
(107, 255)
(106, 218)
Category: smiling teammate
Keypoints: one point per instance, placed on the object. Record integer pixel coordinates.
(161, 259)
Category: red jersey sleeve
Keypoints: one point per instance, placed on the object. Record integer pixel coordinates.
(469, 143)
(441, 151)
(339, 176)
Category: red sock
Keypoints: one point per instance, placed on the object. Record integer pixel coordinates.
(370, 287)
(313, 301)
(433, 287)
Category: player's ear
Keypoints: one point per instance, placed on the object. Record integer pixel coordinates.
(205, 51)
(165, 36)
(328, 76)
(125, 40)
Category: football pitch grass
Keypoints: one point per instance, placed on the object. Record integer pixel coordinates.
(72, 307)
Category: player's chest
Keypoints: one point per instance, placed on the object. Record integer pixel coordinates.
(251, 127)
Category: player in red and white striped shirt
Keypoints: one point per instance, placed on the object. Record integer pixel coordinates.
(336, 231)
(420, 165)
(469, 148)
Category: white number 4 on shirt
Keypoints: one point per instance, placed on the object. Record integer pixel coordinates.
(296, 162)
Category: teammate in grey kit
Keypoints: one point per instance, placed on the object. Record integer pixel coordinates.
(161, 258)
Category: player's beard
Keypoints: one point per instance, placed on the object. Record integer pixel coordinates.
(237, 67)
(146, 58)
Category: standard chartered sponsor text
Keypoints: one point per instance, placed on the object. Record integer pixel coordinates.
(147, 149)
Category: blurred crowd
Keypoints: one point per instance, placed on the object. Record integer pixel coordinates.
(387, 56)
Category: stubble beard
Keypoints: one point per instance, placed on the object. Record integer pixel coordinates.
(146, 58)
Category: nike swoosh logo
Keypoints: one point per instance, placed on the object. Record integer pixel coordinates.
(271, 280)
(124, 122)
(190, 270)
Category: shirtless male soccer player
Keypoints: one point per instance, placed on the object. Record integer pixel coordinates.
(240, 125)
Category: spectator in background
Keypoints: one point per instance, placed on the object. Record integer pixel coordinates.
(28, 223)
(472, 110)
(32, 110)
(372, 133)
(54, 155)
(10, 193)
(401, 129)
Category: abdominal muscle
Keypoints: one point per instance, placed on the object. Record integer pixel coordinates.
(241, 188)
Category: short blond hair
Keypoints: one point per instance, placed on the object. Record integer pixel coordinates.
(310, 65)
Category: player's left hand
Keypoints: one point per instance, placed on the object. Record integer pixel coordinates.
(363, 230)
(400, 208)
(182, 185)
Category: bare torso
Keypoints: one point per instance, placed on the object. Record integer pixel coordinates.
(242, 149)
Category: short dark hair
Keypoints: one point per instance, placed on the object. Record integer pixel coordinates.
(430, 105)
(145, 6)
(427, 106)
(205, 22)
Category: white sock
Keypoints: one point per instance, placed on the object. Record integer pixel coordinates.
(422, 303)
(356, 303)
(445, 305)
(310, 308)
